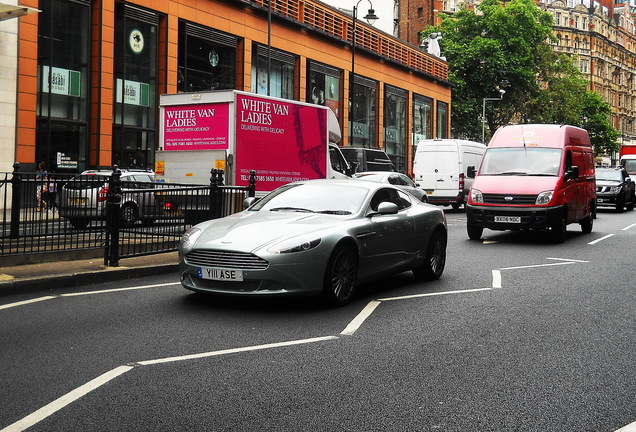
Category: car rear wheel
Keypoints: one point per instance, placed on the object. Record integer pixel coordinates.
(474, 231)
(435, 259)
(340, 276)
(79, 223)
(128, 215)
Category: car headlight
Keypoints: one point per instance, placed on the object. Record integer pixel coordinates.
(189, 238)
(476, 196)
(615, 189)
(295, 244)
(544, 197)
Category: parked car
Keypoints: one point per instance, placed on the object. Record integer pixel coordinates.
(319, 237)
(83, 198)
(615, 188)
(402, 181)
(367, 159)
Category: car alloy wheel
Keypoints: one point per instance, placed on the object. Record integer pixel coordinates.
(435, 259)
(340, 276)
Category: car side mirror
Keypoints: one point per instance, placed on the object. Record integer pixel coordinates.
(572, 173)
(386, 207)
(471, 172)
(247, 202)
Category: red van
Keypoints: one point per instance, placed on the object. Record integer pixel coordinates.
(534, 176)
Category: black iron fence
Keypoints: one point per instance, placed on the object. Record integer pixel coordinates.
(124, 217)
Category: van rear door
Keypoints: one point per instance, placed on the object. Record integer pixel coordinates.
(436, 169)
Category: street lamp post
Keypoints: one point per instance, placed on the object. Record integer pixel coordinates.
(371, 18)
(483, 113)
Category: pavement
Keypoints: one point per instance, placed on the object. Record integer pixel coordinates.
(56, 275)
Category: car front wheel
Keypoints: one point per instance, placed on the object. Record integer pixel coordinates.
(340, 276)
(435, 259)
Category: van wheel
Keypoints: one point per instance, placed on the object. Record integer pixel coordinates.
(435, 259)
(587, 224)
(474, 231)
(455, 206)
(559, 229)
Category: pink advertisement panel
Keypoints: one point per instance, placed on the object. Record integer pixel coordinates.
(196, 127)
(283, 142)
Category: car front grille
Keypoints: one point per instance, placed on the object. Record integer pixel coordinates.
(233, 260)
(510, 199)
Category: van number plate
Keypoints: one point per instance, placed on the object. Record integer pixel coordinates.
(220, 274)
(508, 219)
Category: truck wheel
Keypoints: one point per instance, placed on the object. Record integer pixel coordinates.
(558, 230)
(474, 231)
(587, 224)
(341, 276)
(435, 259)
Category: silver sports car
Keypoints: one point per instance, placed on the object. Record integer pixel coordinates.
(318, 237)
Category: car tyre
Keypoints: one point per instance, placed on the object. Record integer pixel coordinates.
(435, 259)
(341, 276)
(559, 230)
(620, 204)
(79, 223)
(630, 204)
(128, 215)
(474, 231)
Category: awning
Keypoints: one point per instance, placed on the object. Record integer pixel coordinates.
(8, 11)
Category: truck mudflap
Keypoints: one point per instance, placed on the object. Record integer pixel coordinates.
(513, 218)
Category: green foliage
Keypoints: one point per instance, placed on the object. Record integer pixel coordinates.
(506, 47)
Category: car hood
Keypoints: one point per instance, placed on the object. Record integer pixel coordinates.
(249, 230)
(607, 183)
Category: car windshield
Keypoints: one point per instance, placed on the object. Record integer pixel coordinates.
(609, 175)
(371, 177)
(86, 181)
(318, 198)
(530, 161)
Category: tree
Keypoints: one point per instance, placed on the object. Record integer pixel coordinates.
(507, 47)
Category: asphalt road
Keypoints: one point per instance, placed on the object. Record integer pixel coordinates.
(519, 335)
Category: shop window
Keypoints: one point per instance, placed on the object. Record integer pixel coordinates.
(363, 115)
(207, 59)
(422, 115)
(135, 108)
(395, 125)
(442, 120)
(281, 69)
(323, 85)
(63, 71)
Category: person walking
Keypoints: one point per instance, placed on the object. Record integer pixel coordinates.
(41, 176)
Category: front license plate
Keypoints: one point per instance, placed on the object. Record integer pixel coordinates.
(508, 219)
(221, 274)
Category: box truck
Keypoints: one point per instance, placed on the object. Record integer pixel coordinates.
(282, 140)
(440, 167)
(534, 177)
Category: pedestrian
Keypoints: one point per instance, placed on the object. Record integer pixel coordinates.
(48, 194)
(40, 178)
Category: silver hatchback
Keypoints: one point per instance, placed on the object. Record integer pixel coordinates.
(83, 198)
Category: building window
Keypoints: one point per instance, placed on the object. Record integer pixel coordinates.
(63, 70)
(420, 12)
(363, 115)
(323, 85)
(207, 59)
(135, 108)
(422, 118)
(395, 125)
(442, 120)
(281, 68)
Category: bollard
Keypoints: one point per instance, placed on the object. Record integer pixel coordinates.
(16, 185)
(113, 218)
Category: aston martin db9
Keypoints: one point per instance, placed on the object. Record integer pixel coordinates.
(318, 237)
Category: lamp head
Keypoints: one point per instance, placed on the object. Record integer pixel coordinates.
(371, 17)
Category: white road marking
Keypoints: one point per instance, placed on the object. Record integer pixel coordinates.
(68, 398)
(357, 321)
(26, 302)
(119, 289)
(568, 259)
(629, 227)
(629, 428)
(434, 294)
(538, 265)
(496, 279)
(600, 239)
(235, 350)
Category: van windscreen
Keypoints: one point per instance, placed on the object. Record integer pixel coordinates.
(530, 161)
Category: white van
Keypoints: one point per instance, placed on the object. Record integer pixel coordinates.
(628, 162)
(439, 167)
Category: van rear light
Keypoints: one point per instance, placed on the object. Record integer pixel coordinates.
(461, 181)
(102, 195)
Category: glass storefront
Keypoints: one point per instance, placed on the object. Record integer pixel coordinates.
(395, 125)
(362, 115)
(135, 107)
(323, 85)
(207, 59)
(422, 118)
(442, 120)
(281, 68)
(63, 71)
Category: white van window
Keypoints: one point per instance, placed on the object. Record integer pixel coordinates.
(521, 161)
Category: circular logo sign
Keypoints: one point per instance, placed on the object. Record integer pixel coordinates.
(136, 41)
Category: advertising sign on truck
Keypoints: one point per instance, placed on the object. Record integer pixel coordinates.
(282, 140)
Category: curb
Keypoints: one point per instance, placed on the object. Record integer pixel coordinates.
(39, 284)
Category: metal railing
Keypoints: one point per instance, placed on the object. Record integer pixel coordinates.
(56, 213)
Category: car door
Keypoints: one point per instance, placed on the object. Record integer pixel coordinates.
(388, 243)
